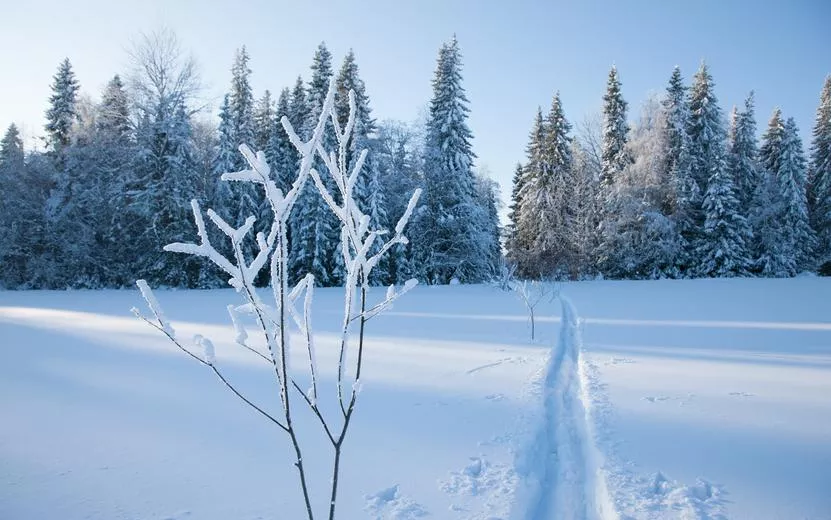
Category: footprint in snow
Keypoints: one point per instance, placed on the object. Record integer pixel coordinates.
(655, 399)
(741, 394)
(495, 397)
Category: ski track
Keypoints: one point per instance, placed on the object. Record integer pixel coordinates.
(562, 477)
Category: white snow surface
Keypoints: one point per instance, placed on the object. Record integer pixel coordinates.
(704, 399)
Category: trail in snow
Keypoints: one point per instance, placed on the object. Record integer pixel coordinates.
(560, 469)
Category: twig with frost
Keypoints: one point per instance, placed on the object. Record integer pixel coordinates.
(532, 293)
(361, 248)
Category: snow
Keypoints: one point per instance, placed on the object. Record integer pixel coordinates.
(702, 399)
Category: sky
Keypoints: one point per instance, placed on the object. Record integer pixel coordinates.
(516, 53)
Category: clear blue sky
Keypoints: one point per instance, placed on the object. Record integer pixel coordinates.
(516, 53)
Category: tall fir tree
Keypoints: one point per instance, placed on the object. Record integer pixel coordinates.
(684, 195)
(743, 155)
(786, 239)
(279, 151)
(11, 151)
(526, 226)
(448, 228)
(349, 79)
(114, 112)
(547, 205)
(517, 183)
(264, 119)
(315, 234)
(62, 112)
(615, 129)
(819, 184)
(707, 148)
(724, 249)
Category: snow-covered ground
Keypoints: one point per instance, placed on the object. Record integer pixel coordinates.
(698, 399)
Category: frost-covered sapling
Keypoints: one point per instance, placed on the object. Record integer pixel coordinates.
(532, 293)
(361, 249)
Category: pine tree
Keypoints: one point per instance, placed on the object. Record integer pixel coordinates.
(707, 147)
(526, 227)
(684, 197)
(226, 149)
(279, 151)
(11, 150)
(517, 183)
(615, 130)
(793, 178)
(165, 185)
(349, 79)
(742, 155)
(264, 119)
(62, 112)
(547, 206)
(820, 180)
(786, 240)
(314, 230)
(724, 250)
(448, 226)
(615, 159)
(114, 112)
(298, 107)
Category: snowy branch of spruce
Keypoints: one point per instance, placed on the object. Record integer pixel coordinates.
(361, 249)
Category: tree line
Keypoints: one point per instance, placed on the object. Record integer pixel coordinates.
(680, 194)
(114, 183)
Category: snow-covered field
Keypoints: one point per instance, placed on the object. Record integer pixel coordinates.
(698, 399)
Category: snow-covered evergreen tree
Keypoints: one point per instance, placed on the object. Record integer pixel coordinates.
(314, 232)
(527, 228)
(820, 180)
(62, 113)
(707, 136)
(11, 150)
(786, 240)
(724, 250)
(114, 111)
(513, 214)
(449, 229)
(547, 202)
(225, 150)
(279, 152)
(684, 197)
(264, 121)
(615, 130)
(743, 155)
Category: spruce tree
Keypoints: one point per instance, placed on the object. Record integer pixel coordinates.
(62, 112)
(349, 79)
(786, 239)
(742, 155)
(264, 119)
(513, 214)
(724, 249)
(314, 231)
(526, 226)
(114, 112)
(820, 180)
(279, 151)
(448, 228)
(684, 193)
(11, 151)
(615, 129)
(793, 176)
(298, 108)
(547, 205)
(707, 148)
